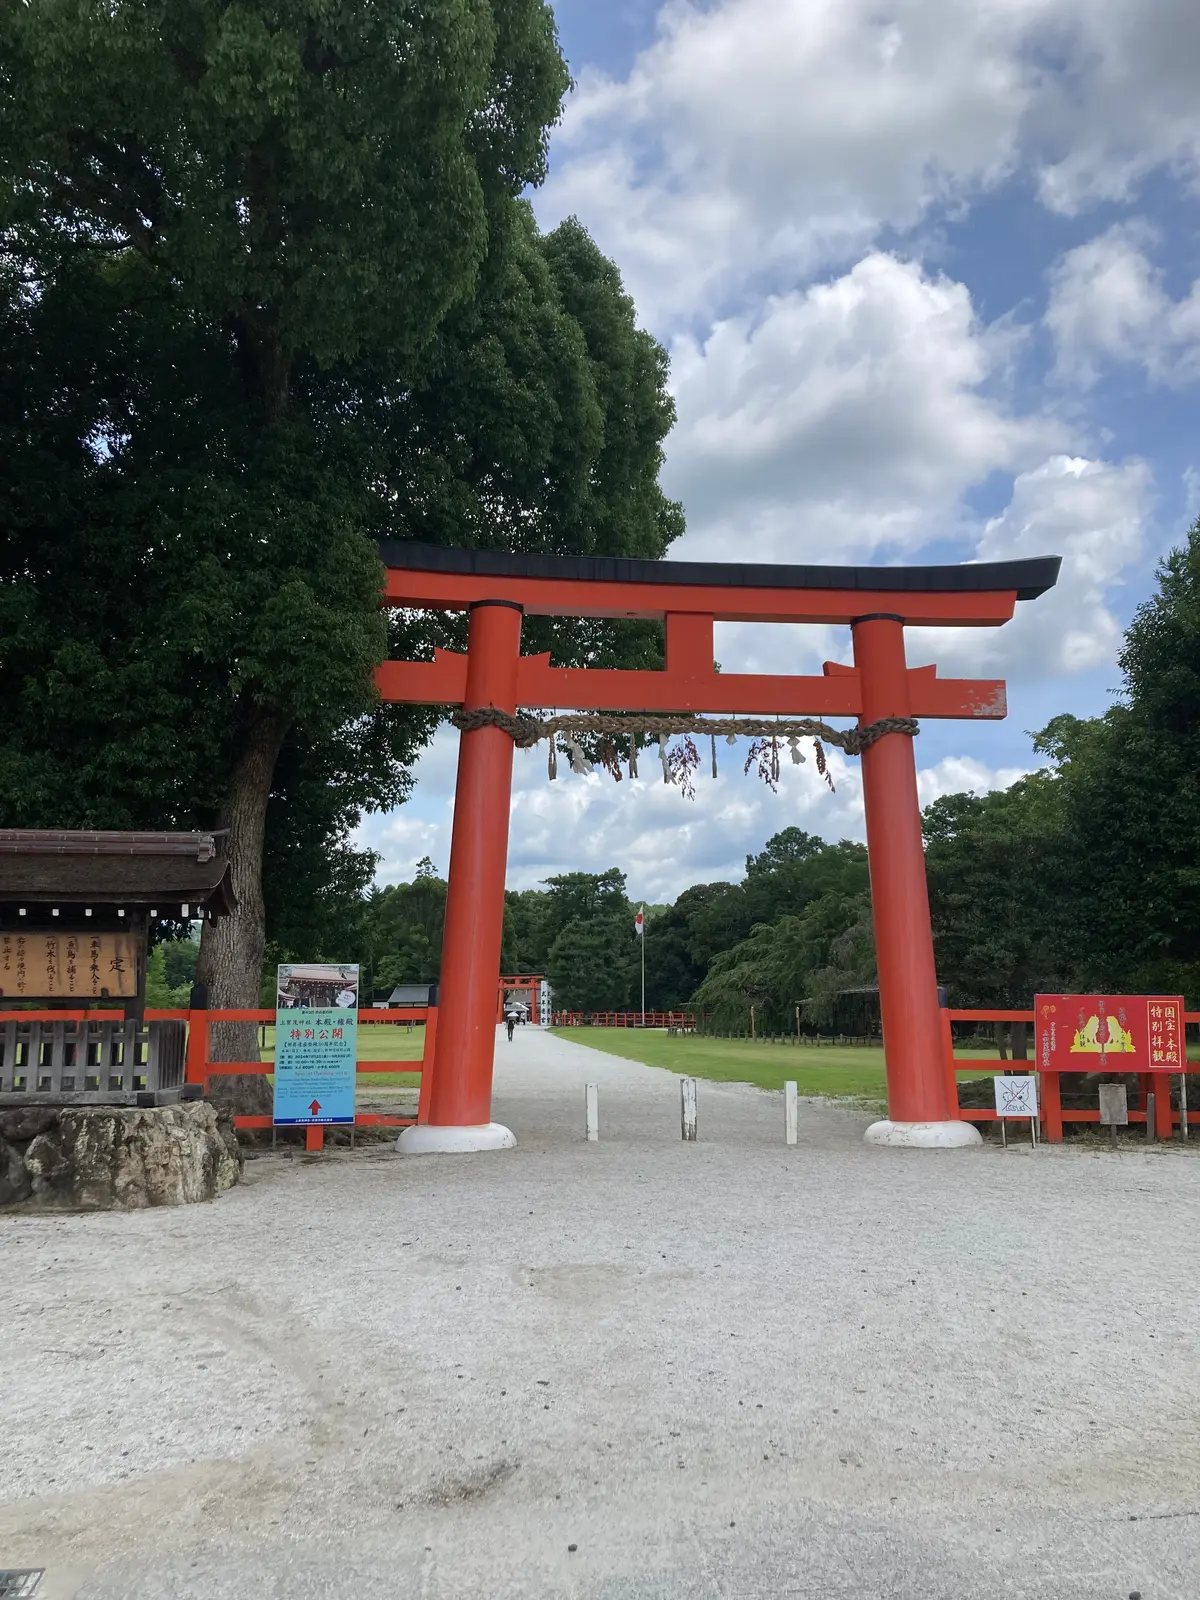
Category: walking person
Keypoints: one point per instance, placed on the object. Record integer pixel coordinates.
(510, 1021)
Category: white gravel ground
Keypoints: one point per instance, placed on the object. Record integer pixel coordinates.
(636, 1368)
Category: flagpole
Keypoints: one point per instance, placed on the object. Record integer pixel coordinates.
(643, 964)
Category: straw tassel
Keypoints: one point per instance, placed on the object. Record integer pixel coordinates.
(579, 762)
(552, 762)
(712, 739)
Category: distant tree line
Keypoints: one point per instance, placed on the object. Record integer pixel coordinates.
(799, 925)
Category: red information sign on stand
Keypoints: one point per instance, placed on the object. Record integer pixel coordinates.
(1109, 1033)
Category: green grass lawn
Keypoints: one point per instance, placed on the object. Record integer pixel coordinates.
(378, 1041)
(849, 1071)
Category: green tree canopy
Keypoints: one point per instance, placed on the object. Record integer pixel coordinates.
(805, 960)
(1132, 797)
(715, 916)
(592, 962)
(1083, 875)
(1000, 869)
(795, 868)
(270, 294)
(273, 211)
(313, 180)
(584, 896)
(404, 924)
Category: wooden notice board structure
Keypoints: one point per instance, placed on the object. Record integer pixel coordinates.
(76, 908)
(876, 687)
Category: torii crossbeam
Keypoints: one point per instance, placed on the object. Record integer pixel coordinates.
(877, 603)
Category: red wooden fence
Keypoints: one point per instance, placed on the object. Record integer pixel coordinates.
(1051, 1114)
(200, 1068)
(625, 1019)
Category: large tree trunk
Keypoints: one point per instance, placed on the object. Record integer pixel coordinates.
(229, 965)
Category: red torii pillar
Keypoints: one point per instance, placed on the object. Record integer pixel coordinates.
(497, 588)
(460, 1103)
(919, 1112)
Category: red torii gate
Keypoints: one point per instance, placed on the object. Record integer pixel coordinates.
(498, 588)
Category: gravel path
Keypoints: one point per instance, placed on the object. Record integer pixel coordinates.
(620, 1371)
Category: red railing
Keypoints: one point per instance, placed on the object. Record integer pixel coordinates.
(1051, 1113)
(200, 1068)
(625, 1019)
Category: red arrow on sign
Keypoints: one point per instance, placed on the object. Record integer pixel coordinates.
(315, 1107)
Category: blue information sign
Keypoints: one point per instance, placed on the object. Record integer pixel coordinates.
(316, 1042)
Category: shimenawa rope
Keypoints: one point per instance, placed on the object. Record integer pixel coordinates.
(526, 730)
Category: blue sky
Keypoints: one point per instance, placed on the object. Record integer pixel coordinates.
(927, 272)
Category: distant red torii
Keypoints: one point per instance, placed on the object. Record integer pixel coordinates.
(499, 588)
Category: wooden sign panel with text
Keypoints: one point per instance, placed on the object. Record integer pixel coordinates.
(87, 966)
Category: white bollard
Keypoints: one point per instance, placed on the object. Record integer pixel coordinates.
(687, 1102)
(591, 1111)
(791, 1112)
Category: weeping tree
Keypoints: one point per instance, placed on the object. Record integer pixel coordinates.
(269, 293)
(808, 959)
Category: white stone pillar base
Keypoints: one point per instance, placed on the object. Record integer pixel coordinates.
(424, 1139)
(924, 1135)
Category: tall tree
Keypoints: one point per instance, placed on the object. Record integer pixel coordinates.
(404, 929)
(805, 959)
(1002, 898)
(584, 897)
(275, 295)
(591, 963)
(716, 916)
(1131, 784)
(296, 190)
(795, 867)
(526, 931)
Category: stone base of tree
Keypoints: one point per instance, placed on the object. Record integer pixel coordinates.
(116, 1158)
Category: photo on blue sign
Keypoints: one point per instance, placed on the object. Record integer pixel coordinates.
(316, 1042)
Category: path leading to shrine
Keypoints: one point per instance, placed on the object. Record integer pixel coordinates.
(634, 1370)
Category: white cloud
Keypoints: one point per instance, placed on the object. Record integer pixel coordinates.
(1116, 96)
(1107, 304)
(756, 136)
(1093, 514)
(403, 838)
(755, 132)
(964, 775)
(1191, 497)
(843, 419)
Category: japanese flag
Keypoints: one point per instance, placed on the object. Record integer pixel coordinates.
(638, 921)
